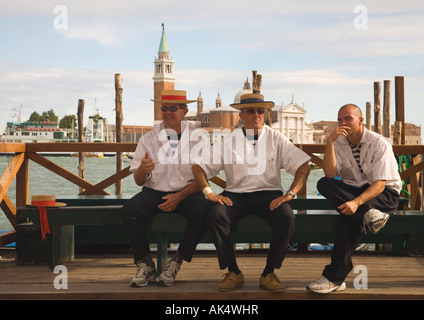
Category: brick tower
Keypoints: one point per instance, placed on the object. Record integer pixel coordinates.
(164, 77)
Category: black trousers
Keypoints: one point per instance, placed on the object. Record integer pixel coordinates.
(350, 227)
(222, 217)
(138, 211)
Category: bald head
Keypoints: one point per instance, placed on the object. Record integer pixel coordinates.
(352, 108)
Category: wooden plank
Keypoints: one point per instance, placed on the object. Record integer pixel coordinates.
(64, 173)
(10, 173)
(318, 161)
(130, 147)
(219, 182)
(107, 276)
(412, 170)
(98, 188)
(9, 210)
(22, 183)
(12, 147)
(80, 147)
(7, 237)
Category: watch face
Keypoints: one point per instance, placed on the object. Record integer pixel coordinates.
(291, 193)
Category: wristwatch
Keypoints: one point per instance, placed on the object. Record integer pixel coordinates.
(291, 193)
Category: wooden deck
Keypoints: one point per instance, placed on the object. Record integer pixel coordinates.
(107, 276)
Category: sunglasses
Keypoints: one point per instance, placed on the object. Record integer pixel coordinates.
(171, 108)
(253, 110)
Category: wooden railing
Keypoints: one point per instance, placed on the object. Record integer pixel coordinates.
(18, 169)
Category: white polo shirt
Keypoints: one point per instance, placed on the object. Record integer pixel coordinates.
(172, 172)
(377, 161)
(249, 168)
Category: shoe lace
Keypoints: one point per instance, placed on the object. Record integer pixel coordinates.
(172, 268)
(142, 269)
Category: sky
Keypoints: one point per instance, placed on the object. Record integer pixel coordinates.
(323, 54)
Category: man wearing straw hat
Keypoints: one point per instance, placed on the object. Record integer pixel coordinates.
(252, 161)
(161, 164)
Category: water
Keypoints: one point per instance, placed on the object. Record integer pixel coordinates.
(43, 181)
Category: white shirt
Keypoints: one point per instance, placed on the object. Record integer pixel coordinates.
(249, 168)
(377, 161)
(171, 172)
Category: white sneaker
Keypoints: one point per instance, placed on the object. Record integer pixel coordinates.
(323, 285)
(167, 277)
(375, 220)
(144, 275)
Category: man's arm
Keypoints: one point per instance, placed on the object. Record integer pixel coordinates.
(202, 181)
(299, 181)
(329, 164)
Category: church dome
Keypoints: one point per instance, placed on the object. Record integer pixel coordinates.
(246, 89)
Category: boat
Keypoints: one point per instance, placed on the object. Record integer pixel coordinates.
(33, 131)
(93, 133)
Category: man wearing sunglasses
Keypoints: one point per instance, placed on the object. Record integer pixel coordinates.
(253, 186)
(162, 165)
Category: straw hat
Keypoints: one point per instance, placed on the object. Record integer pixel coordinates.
(253, 100)
(173, 96)
(46, 200)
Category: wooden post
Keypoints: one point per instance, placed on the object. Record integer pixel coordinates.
(400, 105)
(397, 133)
(81, 157)
(368, 115)
(386, 109)
(22, 184)
(118, 124)
(256, 82)
(377, 107)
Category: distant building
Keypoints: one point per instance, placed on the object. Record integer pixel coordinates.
(290, 120)
(163, 78)
(134, 133)
(322, 129)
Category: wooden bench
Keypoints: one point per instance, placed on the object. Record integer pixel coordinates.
(317, 225)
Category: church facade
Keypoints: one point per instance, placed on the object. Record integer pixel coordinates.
(220, 120)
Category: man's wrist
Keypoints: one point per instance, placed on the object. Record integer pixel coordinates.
(291, 193)
(207, 190)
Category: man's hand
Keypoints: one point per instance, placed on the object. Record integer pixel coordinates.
(349, 208)
(219, 198)
(279, 201)
(147, 164)
(339, 131)
(171, 202)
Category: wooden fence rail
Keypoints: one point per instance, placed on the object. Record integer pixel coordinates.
(18, 169)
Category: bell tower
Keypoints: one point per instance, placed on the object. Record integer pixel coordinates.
(163, 78)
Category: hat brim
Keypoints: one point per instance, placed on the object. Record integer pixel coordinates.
(57, 204)
(175, 101)
(266, 105)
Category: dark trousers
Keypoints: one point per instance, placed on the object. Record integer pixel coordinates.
(222, 217)
(138, 211)
(350, 227)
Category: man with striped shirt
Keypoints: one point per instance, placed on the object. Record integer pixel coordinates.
(366, 195)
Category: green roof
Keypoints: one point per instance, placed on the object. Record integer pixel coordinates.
(163, 47)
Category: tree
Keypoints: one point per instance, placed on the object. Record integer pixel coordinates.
(67, 122)
(49, 116)
(35, 116)
(45, 116)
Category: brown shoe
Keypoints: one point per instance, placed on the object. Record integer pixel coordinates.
(231, 281)
(270, 283)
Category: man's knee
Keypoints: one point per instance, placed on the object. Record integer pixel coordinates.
(325, 184)
(285, 216)
(217, 215)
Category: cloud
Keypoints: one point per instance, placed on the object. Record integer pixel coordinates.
(106, 34)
